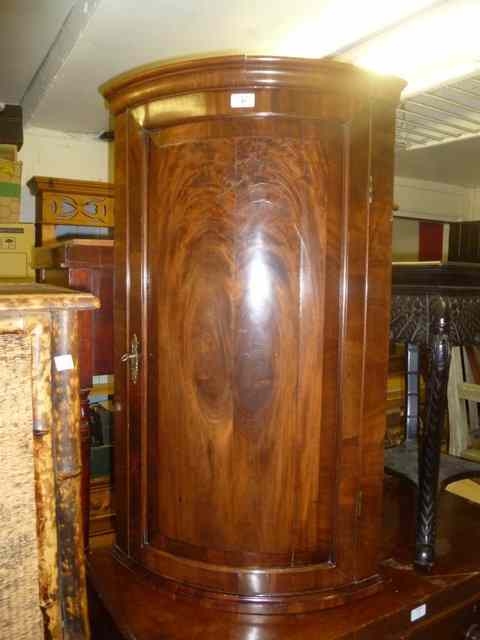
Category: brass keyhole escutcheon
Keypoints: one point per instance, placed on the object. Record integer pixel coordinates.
(133, 358)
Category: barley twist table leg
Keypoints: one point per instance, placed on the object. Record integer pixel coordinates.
(429, 462)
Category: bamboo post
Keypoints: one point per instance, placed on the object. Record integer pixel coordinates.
(67, 460)
(45, 480)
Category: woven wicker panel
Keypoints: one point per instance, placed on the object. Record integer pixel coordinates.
(20, 616)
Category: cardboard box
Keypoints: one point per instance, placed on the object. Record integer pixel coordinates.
(10, 190)
(8, 152)
(16, 243)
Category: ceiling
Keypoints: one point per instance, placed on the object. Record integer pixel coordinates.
(456, 163)
(27, 30)
(101, 38)
(54, 54)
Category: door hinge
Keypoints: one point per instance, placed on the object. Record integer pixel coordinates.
(370, 189)
(359, 505)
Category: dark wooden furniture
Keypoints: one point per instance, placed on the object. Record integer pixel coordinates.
(85, 265)
(434, 308)
(253, 202)
(101, 510)
(45, 320)
(11, 125)
(449, 596)
(464, 242)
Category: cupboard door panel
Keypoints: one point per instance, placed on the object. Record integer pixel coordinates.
(243, 356)
(191, 267)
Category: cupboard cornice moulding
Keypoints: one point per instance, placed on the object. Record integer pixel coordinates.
(239, 72)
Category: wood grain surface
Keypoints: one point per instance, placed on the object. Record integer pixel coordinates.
(236, 310)
(251, 252)
(450, 593)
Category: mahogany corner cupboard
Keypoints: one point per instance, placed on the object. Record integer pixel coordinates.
(253, 204)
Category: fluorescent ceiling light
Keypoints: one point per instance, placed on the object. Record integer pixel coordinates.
(427, 50)
(332, 25)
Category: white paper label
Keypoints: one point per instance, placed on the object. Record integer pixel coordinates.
(418, 612)
(242, 100)
(64, 363)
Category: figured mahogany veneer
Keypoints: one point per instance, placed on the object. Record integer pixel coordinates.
(253, 267)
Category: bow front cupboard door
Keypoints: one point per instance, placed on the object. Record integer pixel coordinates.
(252, 303)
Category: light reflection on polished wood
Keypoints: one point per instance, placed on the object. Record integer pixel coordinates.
(249, 471)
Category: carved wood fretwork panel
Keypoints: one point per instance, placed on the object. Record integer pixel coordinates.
(63, 208)
(61, 201)
(412, 314)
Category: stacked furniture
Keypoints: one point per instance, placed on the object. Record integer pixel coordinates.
(11, 141)
(84, 264)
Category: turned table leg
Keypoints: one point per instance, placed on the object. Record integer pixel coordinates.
(429, 460)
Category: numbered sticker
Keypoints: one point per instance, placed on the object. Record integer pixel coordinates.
(64, 362)
(242, 100)
(418, 612)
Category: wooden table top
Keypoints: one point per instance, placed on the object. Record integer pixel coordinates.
(436, 277)
(15, 296)
(79, 252)
(77, 242)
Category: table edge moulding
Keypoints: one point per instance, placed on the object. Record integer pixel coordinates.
(283, 165)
